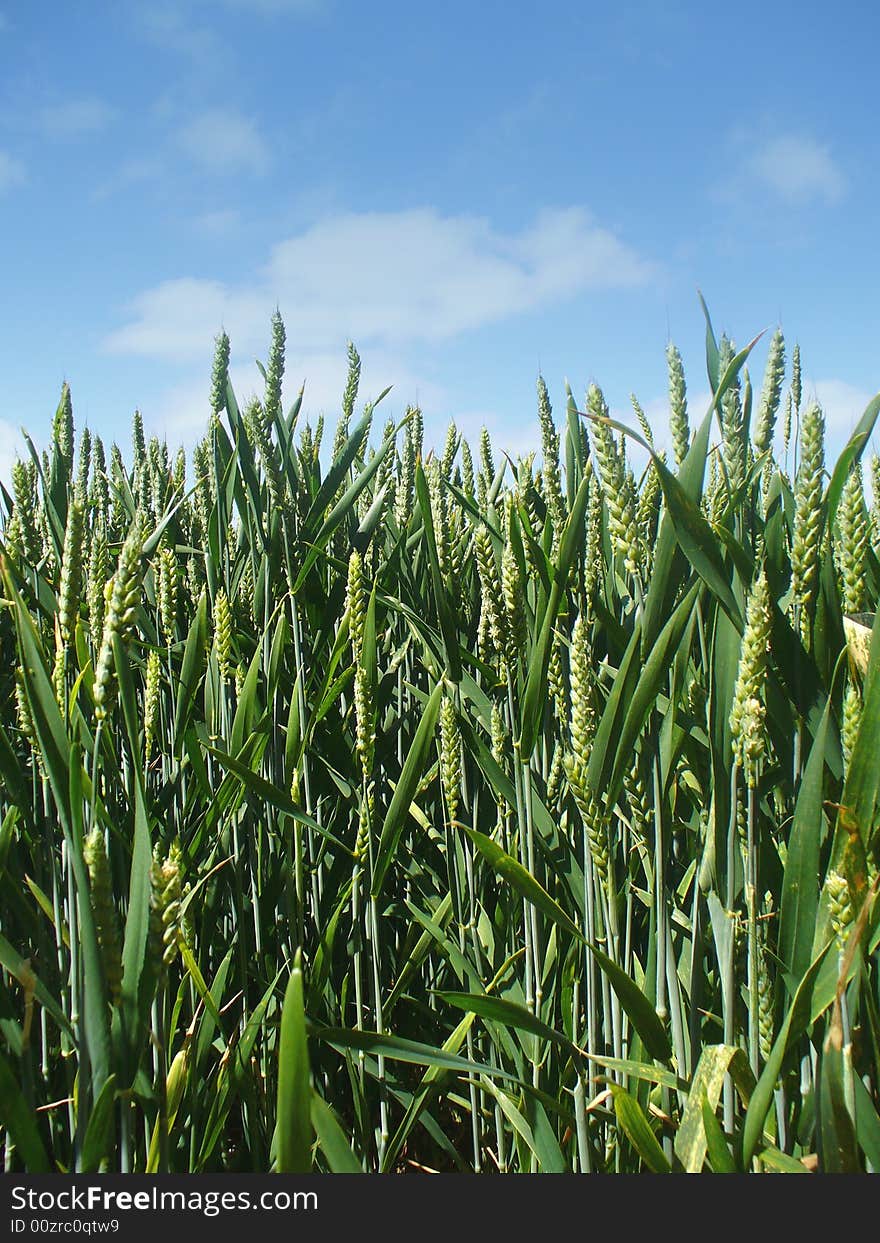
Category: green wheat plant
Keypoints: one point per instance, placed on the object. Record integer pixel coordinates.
(380, 808)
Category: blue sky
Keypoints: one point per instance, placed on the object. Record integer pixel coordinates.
(472, 193)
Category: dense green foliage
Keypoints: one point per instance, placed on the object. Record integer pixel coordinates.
(435, 811)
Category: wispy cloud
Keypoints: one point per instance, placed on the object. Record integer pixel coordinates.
(75, 118)
(797, 169)
(217, 223)
(168, 26)
(173, 14)
(392, 282)
(176, 321)
(277, 8)
(130, 172)
(387, 278)
(186, 27)
(221, 140)
(843, 405)
(12, 173)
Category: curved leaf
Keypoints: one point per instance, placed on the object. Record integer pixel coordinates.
(295, 1133)
(632, 1118)
(413, 770)
(642, 1014)
(522, 881)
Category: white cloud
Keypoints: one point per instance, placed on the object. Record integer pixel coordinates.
(171, 15)
(386, 278)
(75, 118)
(798, 169)
(388, 281)
(180, 413)
(217, 223)
(12, 172)
(130, 172)
(189, 27)
(220, 140)
(842, 404)
(178, 320)
(165, 24)
(276, 8)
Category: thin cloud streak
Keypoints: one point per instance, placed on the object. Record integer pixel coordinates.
(387, 278)
(220, 140)
(12, 172)
(798, 170)
(75, 118)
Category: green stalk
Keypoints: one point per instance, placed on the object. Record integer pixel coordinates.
(752, 915)
(728, 983)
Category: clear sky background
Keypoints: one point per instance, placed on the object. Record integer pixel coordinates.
(472, 192)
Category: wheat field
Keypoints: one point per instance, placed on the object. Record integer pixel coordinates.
(370, 806)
